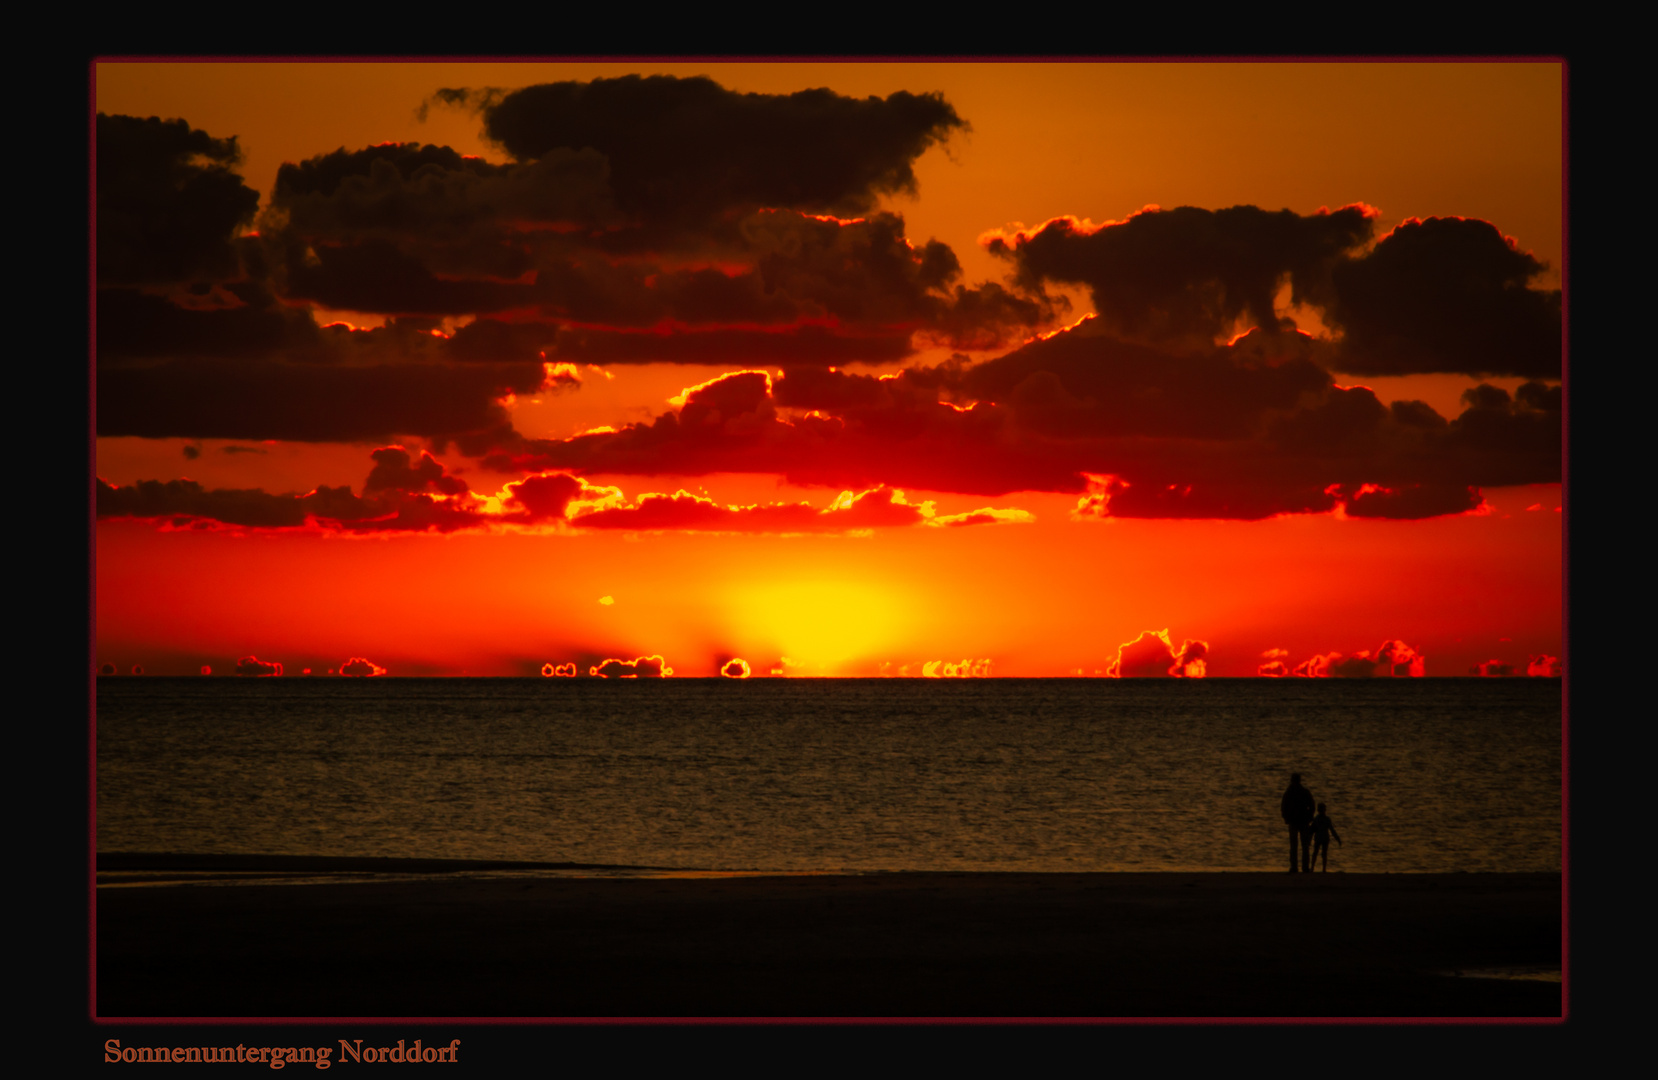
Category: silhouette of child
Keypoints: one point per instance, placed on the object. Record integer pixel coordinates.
(1323, 829)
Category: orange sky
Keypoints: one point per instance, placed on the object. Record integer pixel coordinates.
(1043, 590)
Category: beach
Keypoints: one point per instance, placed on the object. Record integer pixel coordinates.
(370, 938)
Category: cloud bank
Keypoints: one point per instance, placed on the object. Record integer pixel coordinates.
(672, 220)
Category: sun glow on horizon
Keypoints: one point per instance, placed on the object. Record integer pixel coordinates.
(822, 624)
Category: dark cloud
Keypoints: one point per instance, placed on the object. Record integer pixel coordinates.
(880, 508)
(701, 208)
(1441, 295)
(1446, 294)
(393, 471)
(395, 500)
(865, 273)
(1500, 440)
(545, 498)
(671, 220)
(1152, 655)
(707, 244)
(361, 666)
(395, 188)
(186, 499)
(1393, 659)
(492, 341)
(735, 669)
(1245, 431)
(243, 321)
(252, 665)
(264, 399)
(168, 202)
(684, 150)
(1493, 669)
(1415, 501)
(1218, 498)
(1360, 666)
(405, 495)
(1083, 382)
(375, 275)
(793, 345)
(781, 269)
(932, 446)
(412, 229)
(1188, 274)
(267, 371)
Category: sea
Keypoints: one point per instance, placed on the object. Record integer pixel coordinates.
(834, 775)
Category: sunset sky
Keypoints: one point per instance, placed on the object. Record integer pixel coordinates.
(841, 369)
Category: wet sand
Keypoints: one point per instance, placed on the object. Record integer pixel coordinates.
(434, 944)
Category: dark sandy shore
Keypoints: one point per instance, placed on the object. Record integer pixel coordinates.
(910, 944)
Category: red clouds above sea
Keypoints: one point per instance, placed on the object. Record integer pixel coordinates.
(643, 667)
(1224, 435)
(1543, 666)
(668, 220)
(252, 665)
(1153, 655)
(1393, 658)
(405, 495)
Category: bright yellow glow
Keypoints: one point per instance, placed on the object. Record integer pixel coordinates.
(820, 624)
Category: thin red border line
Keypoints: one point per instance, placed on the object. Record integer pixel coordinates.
(773, 1021)
(92, 542)
(1565, 544)
(1005, 60)
(804, 60)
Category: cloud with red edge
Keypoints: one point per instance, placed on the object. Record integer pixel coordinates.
(1153, 655)
(965, 668)
(402, 495)
(880, 508)
(1241, 432)
(1545, 666)
(361, 667)
(642, 667)
(1393, 658)
(252, 665)
(1273, 664)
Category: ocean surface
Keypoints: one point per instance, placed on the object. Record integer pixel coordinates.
(834, 774)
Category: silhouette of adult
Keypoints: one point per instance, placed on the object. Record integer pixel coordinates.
(1298, 808)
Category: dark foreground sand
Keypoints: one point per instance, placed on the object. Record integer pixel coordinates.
(911, 944)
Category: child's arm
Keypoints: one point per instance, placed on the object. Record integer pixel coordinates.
(1334, 833)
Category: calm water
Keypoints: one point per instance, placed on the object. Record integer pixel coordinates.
(827, 774)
